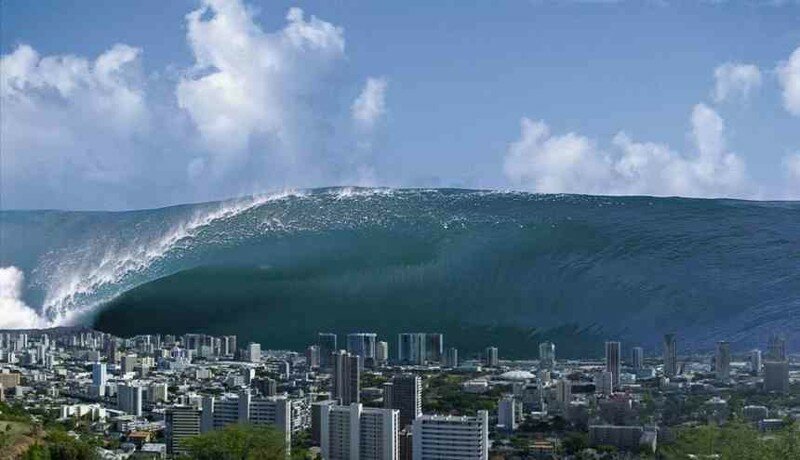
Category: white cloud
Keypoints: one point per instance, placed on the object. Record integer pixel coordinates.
(571, 163)
(248, 83)
(789, 77)
(735, 81)
(15, 313)
(370, 105)
(68, 119)
(791, 164)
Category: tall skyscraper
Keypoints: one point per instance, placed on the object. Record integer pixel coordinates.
(452, 437)
(563, 392)
(491, 357)
(128, 363)
(637, 358)
(228, 345)
(547, 355)
(382, 352)
(354, 432)
(254, 352)
(405, 395)
(327, 345)
(755, 361)
(614, 362)
(316, 420)
(776, 376)
(346, 377)
(129, 399)
(451, 358)
(723, 360)
(670, 355)
(182, 422)
(410, 348)
(776, 349)
(434, 347)
(604, 382)
(99, 377)
(362, 344)
(507, 413)
(312, 356)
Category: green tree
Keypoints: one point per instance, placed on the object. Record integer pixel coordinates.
(238, 442)
(61, 446)
(575, 442)
(734, 441)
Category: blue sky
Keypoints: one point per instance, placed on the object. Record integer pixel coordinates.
(576, 97)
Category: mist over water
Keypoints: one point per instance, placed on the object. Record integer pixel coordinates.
(631, 268)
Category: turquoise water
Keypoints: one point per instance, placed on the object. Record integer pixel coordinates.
(505, 268)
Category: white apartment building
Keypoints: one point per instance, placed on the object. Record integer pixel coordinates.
(357, 433)
(451, 437)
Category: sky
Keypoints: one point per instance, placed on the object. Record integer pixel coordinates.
(126, 105)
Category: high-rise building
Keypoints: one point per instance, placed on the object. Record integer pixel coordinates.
(382, 352)
(776, 349)
(265, 386)
(354, 432)
(490, 357)
(411, 348)
(614, 362)
(507, 413)
(128, 363)
(312, 357)
(776, 376)
(547, 355)
(362, 344)
(434, 347)
(564, 392)
(182, 422)
(157, 392)
(316, 420)
(327, 345)
(129, 399)
(346, 377)
(604, 382)
(451, 357)
(404, 393)
(722, 363)
(670, 355)
(755, 361)
(228, 345)
(99, 376)
(219, 412)
(637, 358)
(452, 437)
(254, 352)
(406, 441)
(420, 348)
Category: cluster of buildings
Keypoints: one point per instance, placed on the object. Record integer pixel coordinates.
(356, 400)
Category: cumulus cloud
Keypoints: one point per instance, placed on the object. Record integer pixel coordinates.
(67, 119)
(571, 163)
(247, 84)
(15, 313)
(791, 164)
(789, 77)
(256, 110)
(370, 105)
(735, 81)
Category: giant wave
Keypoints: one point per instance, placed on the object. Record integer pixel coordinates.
(511, 267)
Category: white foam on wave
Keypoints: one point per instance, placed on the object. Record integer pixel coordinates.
(70, 284)
(14, 312)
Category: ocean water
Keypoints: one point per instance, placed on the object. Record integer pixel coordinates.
(502, 268)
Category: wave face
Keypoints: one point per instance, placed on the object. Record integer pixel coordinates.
(521, 264)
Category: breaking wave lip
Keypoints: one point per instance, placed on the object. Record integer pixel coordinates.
(69, 287)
